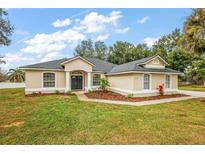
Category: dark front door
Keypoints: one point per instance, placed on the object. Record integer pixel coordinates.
(76, 82)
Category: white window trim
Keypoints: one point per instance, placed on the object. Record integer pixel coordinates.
(170, 82)
(42, 80)
(92, 79)
(150, 84)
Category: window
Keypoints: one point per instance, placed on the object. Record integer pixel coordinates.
(167, 81)
(146, 81)
(96, 79)
(48, 80)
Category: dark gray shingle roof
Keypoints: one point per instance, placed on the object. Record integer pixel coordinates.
(99, 65)
(54, 64)
(135, 66)
(103, 66)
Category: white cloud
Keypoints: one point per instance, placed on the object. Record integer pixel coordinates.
(122, 30)
(51, 56)
(13, 59)
(46, 43)
(50, 46)
(63, 23)
(150, 41)
(143, 20)
(102, 37)
(95, 22)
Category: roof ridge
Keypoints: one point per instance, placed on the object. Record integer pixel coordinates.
(99, 60)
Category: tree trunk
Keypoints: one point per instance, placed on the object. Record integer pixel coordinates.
(204, 83)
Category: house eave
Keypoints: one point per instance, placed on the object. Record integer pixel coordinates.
(127, 72)
(40, 69)
(69, 60)
(157, 56)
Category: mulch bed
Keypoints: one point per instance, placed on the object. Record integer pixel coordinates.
(47, 94)
(108, 95)
(202, 100)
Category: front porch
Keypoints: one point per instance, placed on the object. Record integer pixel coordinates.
(79, 80)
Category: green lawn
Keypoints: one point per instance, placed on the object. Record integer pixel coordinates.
(192, 87)
(66, 120)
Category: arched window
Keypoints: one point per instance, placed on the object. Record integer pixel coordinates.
(48, 80)
(146, 81)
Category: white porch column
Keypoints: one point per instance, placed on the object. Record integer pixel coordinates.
(89, 81)
(67, 81)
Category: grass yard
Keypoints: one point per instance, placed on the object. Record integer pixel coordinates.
(192, 87)
(66, 120)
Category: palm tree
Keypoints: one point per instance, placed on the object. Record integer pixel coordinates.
(16, 75)
(194, 32)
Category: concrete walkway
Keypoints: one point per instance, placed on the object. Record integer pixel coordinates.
(82, 97)
(192, 93)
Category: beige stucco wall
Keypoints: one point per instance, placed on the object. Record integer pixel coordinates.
(135, 81)
(122, 81)
(174, 81)
(138, 81)
(78, 64)
(156, 80)
(34, 79)
(60, 79)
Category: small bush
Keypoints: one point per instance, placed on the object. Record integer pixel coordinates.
(104, 84)
(57, 91)
(35, 93)
(130, 95)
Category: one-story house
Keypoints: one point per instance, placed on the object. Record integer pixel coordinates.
(140, 77)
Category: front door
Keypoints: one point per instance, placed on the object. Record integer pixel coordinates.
(76, 82)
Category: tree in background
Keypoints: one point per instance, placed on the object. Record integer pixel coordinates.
(100, 50)
(194, 32)
(196, 72)
(120, 52)
(140, 51)
(167, 43)
(93, 50)
(2, 74)
(6, 29)
(85, 48)
(180, 60)
(123, 52)
(16, 75)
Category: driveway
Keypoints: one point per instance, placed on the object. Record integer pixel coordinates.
(193, 93)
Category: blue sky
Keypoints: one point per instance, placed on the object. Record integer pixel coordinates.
(47, 34)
